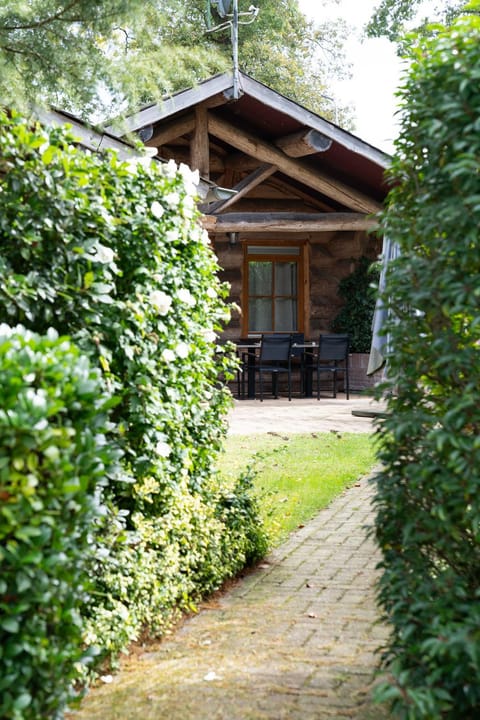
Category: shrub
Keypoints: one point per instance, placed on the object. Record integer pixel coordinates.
(427, 498)
(355, 317)
(112, 254)
(54, 460)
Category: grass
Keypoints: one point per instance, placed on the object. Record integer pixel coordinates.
(298, 475)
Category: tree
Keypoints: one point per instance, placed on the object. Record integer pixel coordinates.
(54, 50)
(99, 57)
(392, 17)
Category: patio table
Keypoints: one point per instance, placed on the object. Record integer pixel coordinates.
(249, 351)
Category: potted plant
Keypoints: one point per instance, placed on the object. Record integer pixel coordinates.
(358, 290)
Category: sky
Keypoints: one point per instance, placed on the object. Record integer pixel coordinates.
(376, 71)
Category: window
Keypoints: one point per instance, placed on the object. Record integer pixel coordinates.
(273, 302)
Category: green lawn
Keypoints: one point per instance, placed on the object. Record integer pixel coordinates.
(298, 475)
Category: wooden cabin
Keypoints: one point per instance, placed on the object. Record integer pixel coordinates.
(290, 197)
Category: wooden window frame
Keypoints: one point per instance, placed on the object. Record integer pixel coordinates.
(300, 258)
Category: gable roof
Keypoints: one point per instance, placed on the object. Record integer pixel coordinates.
(268, 115)
(252, 95)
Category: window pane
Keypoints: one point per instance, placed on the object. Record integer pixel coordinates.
(285, 278)
(260, 314)
(260, 278)
(285, 314)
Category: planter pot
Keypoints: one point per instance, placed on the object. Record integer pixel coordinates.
(359, 380)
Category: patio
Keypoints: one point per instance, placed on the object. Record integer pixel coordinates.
(302, 415)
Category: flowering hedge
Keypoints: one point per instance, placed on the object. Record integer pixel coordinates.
(111, 254)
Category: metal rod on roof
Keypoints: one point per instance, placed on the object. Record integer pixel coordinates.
(236, 75)
(233, 23)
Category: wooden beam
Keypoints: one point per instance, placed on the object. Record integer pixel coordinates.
(305, 142)
(239, 162)
(244, 187)
(256, 147)
(172, 130)
(290, 222)
(199, 149)
(309, 198)
(208, 222)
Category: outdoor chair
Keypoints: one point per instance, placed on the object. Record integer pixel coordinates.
(332, 358)
(275, 359)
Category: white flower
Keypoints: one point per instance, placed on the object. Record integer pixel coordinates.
(209, 335)
(160, 301)
(211, 293)
(191, 178)
(171, 235)
(132, 164)
(101, 254)
(205, 238)
(182, 350)
(185, 296)
(52, 334)
(157, 209)
(170, 169)
(5, 330)
(188, 206)
(37, 398)
(163, 449)
(168, 355)
(172, 199)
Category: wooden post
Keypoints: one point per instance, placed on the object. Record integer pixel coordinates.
(199, 149)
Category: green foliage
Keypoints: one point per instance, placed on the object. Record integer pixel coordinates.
(428, 500)
(174, 559)
(358, 291)
(38, 40)
(112, 254)
(128, 53)
(170, 49)
(391, 18)
(54, 462)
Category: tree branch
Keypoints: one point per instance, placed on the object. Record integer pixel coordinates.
(40, 23)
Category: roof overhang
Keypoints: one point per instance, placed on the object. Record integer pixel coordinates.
(223, 84)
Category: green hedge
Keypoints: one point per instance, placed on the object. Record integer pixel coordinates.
(54, 463)
(428, 493)
(111, 254)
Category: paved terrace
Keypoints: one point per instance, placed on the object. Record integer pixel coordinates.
(293, 640)
(302, 415)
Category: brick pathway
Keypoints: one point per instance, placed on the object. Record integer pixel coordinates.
(293, 640)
